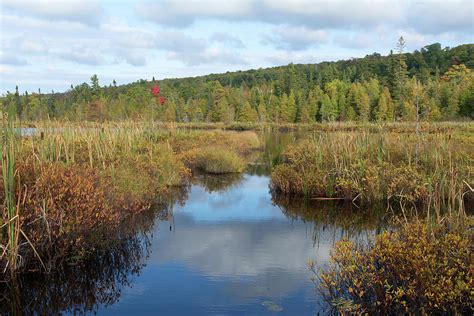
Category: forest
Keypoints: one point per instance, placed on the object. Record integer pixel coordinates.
(430, 84)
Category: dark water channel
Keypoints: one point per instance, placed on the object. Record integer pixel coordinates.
(225, 246)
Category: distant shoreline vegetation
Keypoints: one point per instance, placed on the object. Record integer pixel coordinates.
(430, 84)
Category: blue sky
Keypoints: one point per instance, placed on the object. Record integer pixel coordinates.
(53, 44)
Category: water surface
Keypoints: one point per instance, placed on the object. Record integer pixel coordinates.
(225, 246)
(232, 250)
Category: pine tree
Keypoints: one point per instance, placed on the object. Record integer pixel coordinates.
(291, 107)
(390, 116)
(284, 112)
(401, 75)
(408, 111)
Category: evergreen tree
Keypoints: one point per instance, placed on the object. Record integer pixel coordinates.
(95, 86)
(285, 113)
(400, 75)
(305, 115)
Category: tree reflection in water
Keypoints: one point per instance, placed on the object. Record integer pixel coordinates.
(344, 219)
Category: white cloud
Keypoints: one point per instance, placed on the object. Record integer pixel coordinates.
(226, 38)
(12, 60)
(426, 16)
(295, 38)
(211, 35)
(355, 41)
(87, 12)
(206, 56)
(30, 45)
(84, 55)
(185, 13)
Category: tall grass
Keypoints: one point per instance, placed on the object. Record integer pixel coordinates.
(8, 156)
(79, 180)
(435, 168)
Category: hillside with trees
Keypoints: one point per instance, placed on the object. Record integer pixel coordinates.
(430, 84)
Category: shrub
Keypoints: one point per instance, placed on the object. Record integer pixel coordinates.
(411, 270)
(64, 210)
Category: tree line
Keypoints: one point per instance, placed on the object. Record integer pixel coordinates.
(430, 84)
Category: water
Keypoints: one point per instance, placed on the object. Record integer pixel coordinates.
(226, 247)
(228, 251)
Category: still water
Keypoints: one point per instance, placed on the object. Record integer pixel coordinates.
(224, 246)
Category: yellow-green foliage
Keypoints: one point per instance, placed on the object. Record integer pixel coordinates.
(378, 166)
(412, 270)
(216, 152)
(218, 161)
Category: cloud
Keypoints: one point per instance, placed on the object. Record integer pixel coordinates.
(133, 58)
(86, 12)
(84, 55)
(9, 59)
(428, 16)
(295, 38)
(30, 45)
(185, 13)
(434, 17)
(354, 41)
(227, 39)
(207, 56)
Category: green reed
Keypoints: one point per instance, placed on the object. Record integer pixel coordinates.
(8, 157)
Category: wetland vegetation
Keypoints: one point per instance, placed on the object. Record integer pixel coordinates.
(343, 165)
(72, 186)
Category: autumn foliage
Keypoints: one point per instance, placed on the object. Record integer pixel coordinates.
(413, 270)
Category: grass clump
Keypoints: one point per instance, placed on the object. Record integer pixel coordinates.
(218, 161)
(413, 270)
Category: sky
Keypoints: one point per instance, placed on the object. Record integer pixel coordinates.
(53, 44)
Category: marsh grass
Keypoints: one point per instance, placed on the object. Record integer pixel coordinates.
(432, 168)
(75, 182)
(421, 264)
(8, 156)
